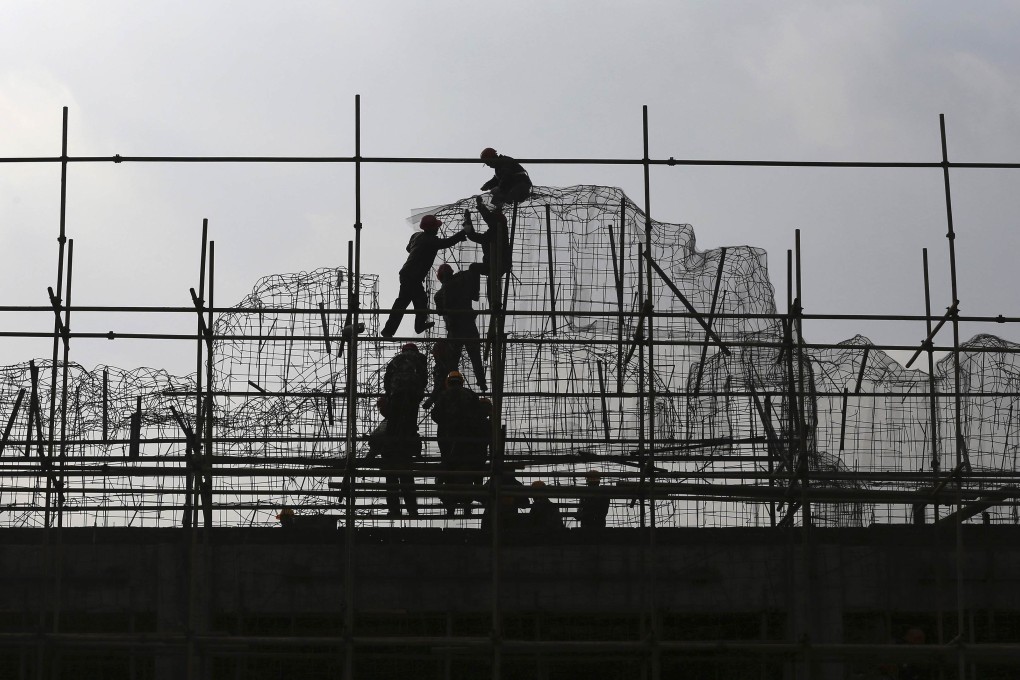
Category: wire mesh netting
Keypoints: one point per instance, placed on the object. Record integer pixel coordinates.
(627, 350)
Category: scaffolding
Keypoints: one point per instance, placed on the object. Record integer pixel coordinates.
(613, 344)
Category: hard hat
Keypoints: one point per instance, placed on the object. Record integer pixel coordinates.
(454, 378)
(444, 271)
(429, 223)
(488, 153)
(593, 476)
(439, 349)
(381, 404)
(486, 404)
(537, 484)
(408, 347)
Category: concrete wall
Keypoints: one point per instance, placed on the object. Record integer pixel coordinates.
(812, 581)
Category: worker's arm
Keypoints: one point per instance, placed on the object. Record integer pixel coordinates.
(494, 182)
(451, 240)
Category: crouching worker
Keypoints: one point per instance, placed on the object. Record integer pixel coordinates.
(544, 514)
(510, 184)
(509, 506)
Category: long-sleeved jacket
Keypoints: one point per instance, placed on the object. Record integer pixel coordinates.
(407, 371)
(462, 425)
(422, 250)
(508, 173)
(544, 514)
(456, 295)
(496, 231)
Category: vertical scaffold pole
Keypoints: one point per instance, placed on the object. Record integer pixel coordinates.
(962, 459)
(61, 241)
(210, 402)
(552, 268)
(65, 330)
(650, 461)
(933, 404)
(43, 659)
(193, 480)
(936, 463)
(802, 439)
(349, 491)
(497, 304)
(639, 341)
(619, 298)
(354, 304)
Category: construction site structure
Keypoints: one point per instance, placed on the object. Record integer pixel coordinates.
(777, 508)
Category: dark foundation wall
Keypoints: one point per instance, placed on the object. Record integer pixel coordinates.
(157, 598)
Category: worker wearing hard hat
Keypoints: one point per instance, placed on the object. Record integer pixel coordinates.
(510, 183)
(421, 253)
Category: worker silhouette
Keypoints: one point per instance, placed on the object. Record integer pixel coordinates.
(454, 303)
(510, 183)
(421, 253)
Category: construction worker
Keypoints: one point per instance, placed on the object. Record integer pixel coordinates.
(453, 301)
(544, 514)
(496, 236)
(286, 516)
(396, 452)
(404, 383)
(510, 183)
(444, 360)
(422, 250)
(592, 510)
(461, 430)
(508, 505)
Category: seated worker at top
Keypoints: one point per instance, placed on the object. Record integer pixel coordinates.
(422, 250)
(510, 184)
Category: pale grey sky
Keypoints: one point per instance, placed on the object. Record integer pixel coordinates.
(856, 81)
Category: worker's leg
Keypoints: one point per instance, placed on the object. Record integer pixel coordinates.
(468, 332)
(407, 490)
(404, 297)
(420, 301)
(392, 494)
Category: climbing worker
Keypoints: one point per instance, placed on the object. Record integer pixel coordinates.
(404, 383)
(453, 302)
(496, 236)
(461, 423)
(422, 250)
(444, 360)
(544, 514)
(396, 452)
(510, 184)
(592, 510)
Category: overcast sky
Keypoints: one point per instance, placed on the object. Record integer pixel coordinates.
(834, 81)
